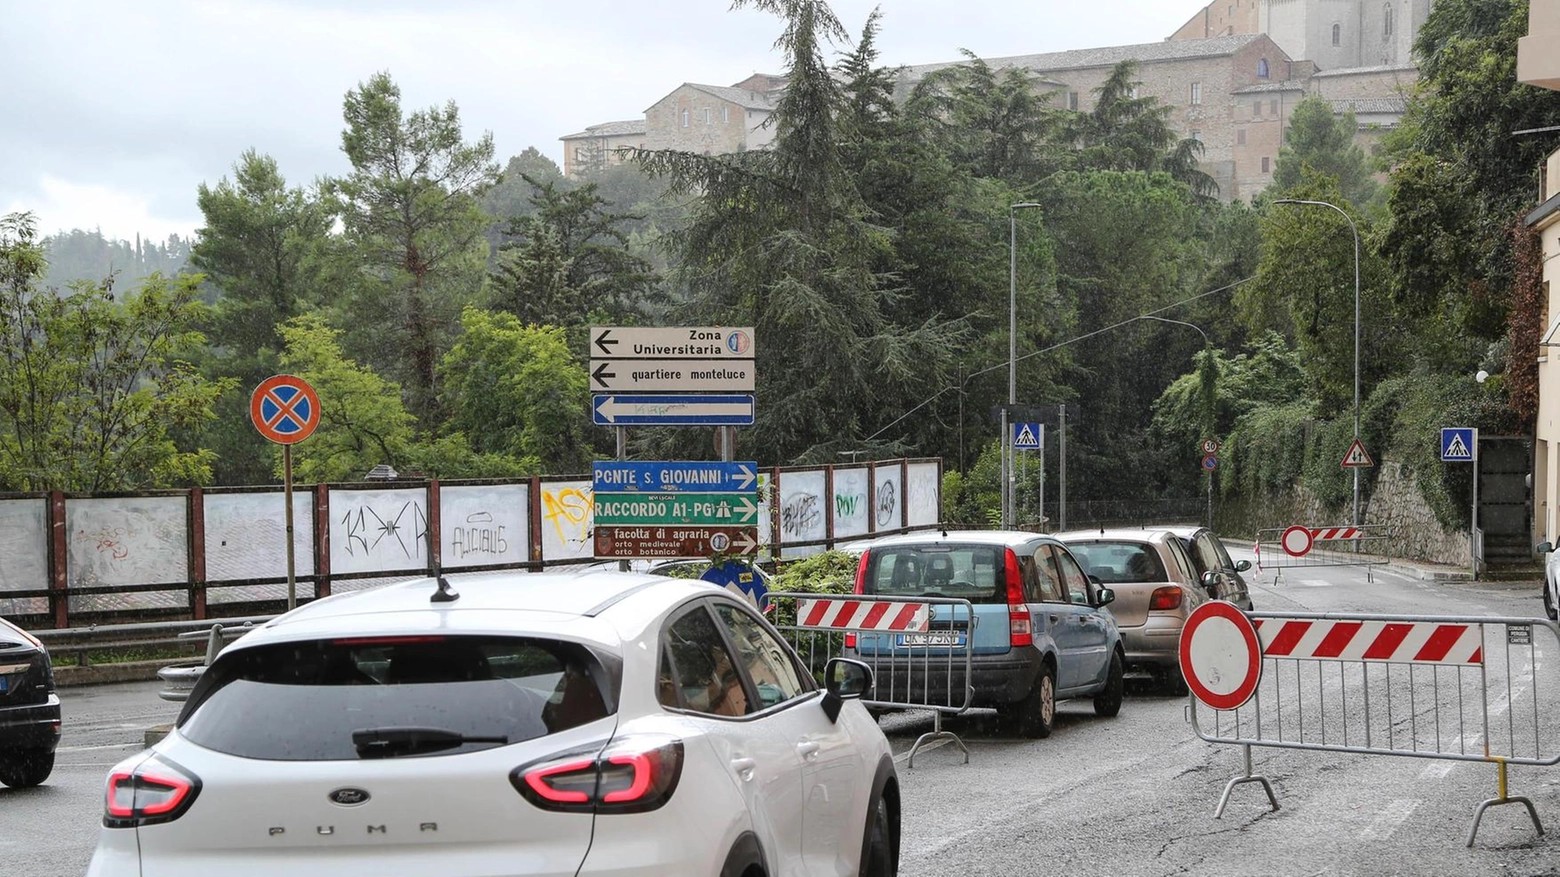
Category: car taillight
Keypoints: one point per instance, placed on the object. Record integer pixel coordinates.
(632, 775)
(861, 588)
(156, 791)
(1168, 597)
(1019, 632)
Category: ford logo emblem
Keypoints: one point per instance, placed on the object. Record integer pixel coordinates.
(348, 797)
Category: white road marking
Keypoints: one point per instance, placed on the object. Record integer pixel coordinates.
(1389, 818)
(1437, 770)
(95, 748)
(1314, 583)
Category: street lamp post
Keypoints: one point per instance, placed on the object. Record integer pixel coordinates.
(1353, 228)
(1007, 438)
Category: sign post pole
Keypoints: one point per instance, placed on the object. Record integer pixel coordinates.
(292, 581)
(286, 410)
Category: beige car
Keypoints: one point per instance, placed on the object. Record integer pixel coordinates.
(1156, 588)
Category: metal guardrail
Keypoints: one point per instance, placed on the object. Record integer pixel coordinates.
(82, 642)
(1439, 687)
(920, 649)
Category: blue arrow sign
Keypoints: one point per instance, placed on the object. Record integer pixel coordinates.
(647, 409)
(1028, 437)
(1457, 444)
(630, 476)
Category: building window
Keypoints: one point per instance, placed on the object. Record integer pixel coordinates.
(1240, 136)
(1197, 135)
(1337, 34)
(1262, 67)
(1256, 109)
(1072, 100)
(685, 118)
(725, 114)
(1264, 164)
(1196, 93)
(1386, 21)
(1273, 107)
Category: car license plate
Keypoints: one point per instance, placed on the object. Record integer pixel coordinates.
(931, 640)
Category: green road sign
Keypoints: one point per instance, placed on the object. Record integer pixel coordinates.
(655, 509)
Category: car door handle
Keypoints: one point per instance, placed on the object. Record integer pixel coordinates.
(744, 768)
(1055, 618)
(808, 748)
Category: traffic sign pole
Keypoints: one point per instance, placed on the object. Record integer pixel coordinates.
(286, 410)
(292, 581)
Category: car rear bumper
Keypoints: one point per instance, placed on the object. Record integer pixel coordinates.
(34, 726)
(939, 681)
(1153, 646)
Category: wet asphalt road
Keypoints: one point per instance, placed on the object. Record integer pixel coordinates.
(1133, 795)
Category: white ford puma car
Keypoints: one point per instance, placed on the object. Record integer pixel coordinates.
(538, 724)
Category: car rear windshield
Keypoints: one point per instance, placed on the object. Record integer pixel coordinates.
(968, 572)
(1119, 563)
(304, 701)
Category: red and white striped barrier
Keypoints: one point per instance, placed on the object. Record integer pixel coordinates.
(847, 614)
(1323, 534)
(1388, 642)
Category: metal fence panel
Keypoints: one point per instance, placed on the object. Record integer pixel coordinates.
(920, 649)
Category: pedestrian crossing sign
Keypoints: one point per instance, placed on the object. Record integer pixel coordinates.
(1028, 437)
(1458, 443)
(1356, 458)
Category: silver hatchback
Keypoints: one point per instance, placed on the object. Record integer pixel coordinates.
(1156, 588)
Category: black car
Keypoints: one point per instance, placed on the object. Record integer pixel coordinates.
(29, 709)
(1221, 575)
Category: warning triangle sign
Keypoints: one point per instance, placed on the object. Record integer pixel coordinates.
(1456, 449)
(1356, 458)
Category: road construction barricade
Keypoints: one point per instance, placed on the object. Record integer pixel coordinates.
(920, 649)
(1439, 687)
(1301, 547)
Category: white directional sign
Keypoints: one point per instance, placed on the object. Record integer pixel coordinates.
(649, 342)
(673, 376)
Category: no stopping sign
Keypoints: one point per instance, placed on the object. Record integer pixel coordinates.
(1221, 657)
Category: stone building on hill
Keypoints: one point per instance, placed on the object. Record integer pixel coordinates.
(1231, 76)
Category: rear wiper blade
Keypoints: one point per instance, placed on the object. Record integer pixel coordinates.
(390, 742)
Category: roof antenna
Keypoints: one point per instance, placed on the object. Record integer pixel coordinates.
(443, 594)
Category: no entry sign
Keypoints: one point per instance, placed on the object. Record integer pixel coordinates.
(1221, 657)
(285, 409)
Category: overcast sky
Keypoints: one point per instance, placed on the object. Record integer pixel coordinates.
(113, 112)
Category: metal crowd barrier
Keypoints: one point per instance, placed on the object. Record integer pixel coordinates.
(1439, 687)
(920, 649)
(1299, 547)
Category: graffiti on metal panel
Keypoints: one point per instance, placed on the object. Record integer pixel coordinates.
(479, 536)
(112, 544)
(800, 513)
(568, 510)
(887, 505)
(370, 531)
(848, 505)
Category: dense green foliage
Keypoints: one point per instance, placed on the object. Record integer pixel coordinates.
(440, 304)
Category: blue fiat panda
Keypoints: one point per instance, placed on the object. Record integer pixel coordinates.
(1041, 632)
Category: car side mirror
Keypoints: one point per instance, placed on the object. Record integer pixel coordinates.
(1210, 582)
(1104, 596)
(1543, 548)
(1242, 565)
(844, 679)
